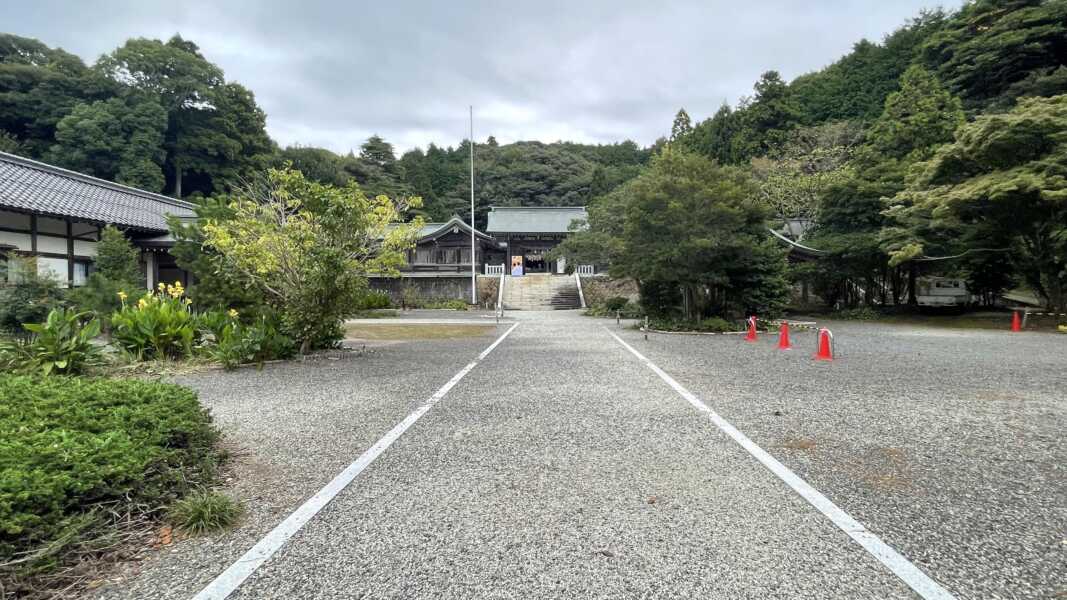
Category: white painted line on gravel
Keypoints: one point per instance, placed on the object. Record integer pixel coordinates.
(230, 579)
(918, 581)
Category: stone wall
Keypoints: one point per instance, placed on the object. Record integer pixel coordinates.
(598, 288)
(438, 288)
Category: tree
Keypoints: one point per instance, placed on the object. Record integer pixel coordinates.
(116, 258)
(310, 247)
(215, 134)
(38, 87)
(856, 86)
(794, 179)
(993, 51)
(767, 120)
(1008, 173)
(917, 118)
(377, 152)
(117, 270)
(690, 224)
(714, 137)
(682, 125)
(116, 139)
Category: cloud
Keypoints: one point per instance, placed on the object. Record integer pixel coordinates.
(333, 73)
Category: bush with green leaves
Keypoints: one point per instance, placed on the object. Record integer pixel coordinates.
(239, 343)
(615, 303)
(61, 345)
(373, 300)
(74, 451)
(709, 325)
(204, 511)
(30, 297)
(159, 325)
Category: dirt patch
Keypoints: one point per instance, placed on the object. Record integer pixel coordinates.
(883, 469)
(799, 443)
(377, 332)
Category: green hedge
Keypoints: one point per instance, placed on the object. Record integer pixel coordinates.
(69, 446)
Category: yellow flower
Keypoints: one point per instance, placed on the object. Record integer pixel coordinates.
(188, 301)
(122, 296)
(142, 303)
(162, 286)
(233, 313)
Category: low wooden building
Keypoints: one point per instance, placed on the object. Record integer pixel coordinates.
(56, 216)
(528, 233)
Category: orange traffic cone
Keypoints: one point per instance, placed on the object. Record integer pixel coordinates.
(1016, 323)
(751, 335)
(783, 337)
(826, 345)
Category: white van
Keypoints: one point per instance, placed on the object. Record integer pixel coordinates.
(943, 291)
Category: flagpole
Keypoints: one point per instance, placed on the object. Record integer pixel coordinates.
(474, 254)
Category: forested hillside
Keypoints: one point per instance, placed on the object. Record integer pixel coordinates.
(151, 110)
(939, 149)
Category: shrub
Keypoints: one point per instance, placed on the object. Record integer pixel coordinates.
(100, 296)
(862, 313)
(374, 299)
(203, 511)
(30, 298)
(238, 343)
(159, 325)
(710, 325)
(451, 304)
(72, 447)
(615, 303)
(62, 345)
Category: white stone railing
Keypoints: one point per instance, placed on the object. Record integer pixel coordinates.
(585, 270)
(494, 269)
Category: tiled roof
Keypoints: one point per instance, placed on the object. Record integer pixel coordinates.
(528, 219)
(438, 229)
(31, 186)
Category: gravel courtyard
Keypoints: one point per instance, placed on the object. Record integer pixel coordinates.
(560, 466)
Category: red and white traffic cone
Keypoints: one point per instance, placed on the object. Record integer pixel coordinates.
(825, 349)
(783, 337)
(751, 335)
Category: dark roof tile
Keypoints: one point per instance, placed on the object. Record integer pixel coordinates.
(36, 187)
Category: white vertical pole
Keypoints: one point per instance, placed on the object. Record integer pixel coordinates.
(474, 278)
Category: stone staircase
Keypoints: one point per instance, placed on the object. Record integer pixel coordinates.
(540, 291)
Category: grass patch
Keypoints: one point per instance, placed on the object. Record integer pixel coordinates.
(205, 511)
(390, 331)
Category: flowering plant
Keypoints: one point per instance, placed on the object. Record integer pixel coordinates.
(160, 325)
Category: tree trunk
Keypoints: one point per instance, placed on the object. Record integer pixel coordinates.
(913, 275)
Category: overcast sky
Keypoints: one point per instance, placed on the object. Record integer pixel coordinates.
(333, 73)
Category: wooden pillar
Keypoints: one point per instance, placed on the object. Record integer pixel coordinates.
(33, 234)
(151, 273)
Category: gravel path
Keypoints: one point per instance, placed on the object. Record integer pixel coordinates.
(949, 444)
(561, 467)
(294, 426)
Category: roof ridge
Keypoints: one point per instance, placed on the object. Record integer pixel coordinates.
(41, 166)
(536, 207)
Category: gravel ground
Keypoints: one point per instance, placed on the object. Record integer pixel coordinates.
(561, 467)
(293, 426)
(949, 444)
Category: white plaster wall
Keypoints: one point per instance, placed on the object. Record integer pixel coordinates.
(55, 245)
(84, 248)
(21, 241)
